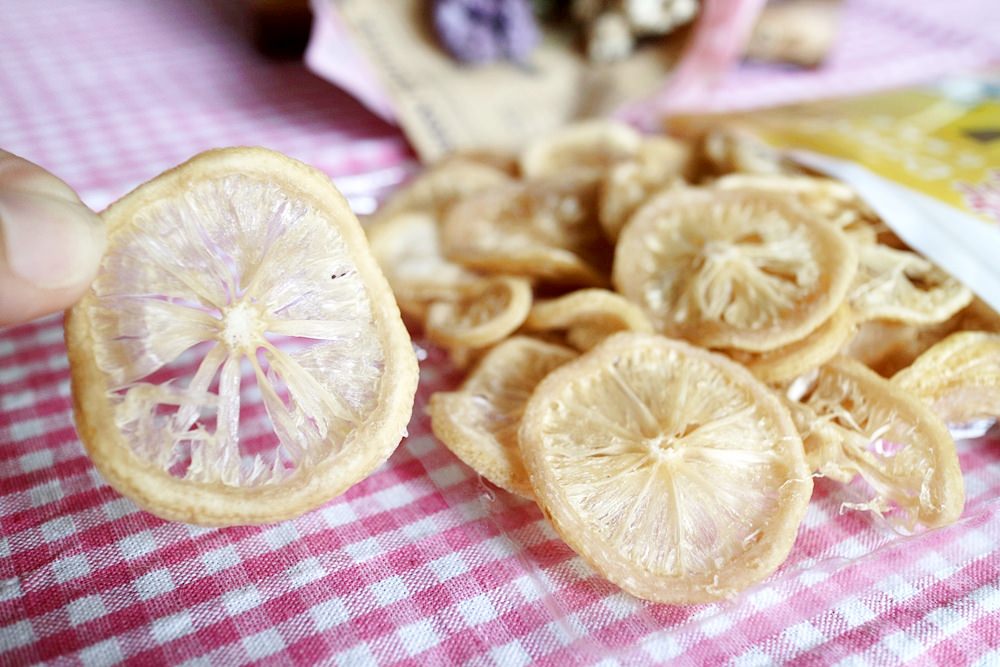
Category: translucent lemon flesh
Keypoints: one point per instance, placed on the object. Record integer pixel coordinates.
(227, 286)
(861, 425)
(671, 470)
(732, 269)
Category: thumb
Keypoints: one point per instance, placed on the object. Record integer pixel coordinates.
(50, 242)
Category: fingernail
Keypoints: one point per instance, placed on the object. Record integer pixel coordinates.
(50, 242)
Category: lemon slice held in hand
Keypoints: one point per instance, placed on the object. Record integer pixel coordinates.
(251, 267)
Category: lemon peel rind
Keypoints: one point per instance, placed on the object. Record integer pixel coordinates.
(967, 386)
(464, 440)
(790, 361)
(441, 329)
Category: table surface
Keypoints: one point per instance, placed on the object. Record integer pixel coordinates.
(421, 563)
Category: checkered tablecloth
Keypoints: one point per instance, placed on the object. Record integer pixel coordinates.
(422, 563)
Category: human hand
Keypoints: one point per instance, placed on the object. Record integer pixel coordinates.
(50, 242)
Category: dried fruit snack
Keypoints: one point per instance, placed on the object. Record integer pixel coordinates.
(587, 316)
(408, 249)
(484, 316)
(224, 257)
(733, 269)
(792, 360)
(479, 422)
(544, 229)
(760, 262)
(901, 286)
(959, 377)
(589, 148)
(671, 470)
(858, 424)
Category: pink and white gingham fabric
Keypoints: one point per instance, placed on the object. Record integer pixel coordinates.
(422, 563)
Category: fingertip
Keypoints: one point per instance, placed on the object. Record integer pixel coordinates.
(21, 302)
(51, 244)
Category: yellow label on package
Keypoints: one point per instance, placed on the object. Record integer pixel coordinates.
(927, 160)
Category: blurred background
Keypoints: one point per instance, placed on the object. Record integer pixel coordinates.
(108, 93)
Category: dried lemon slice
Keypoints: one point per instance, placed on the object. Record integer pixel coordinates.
(441, 185)
(733, 149)
(902, 286)
(482, 317)
(885, 435)
(958, 377)
(732, 269)
(589, 148)
(588, 316)
(543, 229)
(794, 359)
(836, 202)
(672, 471)
(408, 249)
(828, 196)
(660, 162)
(479, 422)
(889, 347)
(221, 258)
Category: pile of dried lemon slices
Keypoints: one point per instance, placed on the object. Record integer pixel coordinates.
(667, 340)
